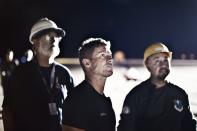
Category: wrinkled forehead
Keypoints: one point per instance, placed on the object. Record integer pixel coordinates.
(102, 48)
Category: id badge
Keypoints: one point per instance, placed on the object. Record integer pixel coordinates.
(53, 109)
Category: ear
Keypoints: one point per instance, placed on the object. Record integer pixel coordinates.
(35, 46)
(148, 67)
(146, 64)
(86, 63)
(34, 40)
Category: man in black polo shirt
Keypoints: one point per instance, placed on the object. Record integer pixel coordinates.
(87, 108)
(155, 104)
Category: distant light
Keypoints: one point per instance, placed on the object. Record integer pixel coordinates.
(3, 73)
(23, 59)
(29, 54)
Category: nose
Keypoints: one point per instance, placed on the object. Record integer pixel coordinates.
(108, 56)
(164, 62)
(52, 39)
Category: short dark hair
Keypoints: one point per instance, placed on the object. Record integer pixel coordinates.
(87, 47)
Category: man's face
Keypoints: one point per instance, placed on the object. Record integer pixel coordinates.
(101, 61)
(48, 44)
(159, 65)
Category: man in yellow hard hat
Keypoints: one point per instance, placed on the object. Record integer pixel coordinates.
(156, 104)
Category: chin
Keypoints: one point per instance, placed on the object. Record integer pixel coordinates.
(163, 77)
(109, 73)
(55, 53)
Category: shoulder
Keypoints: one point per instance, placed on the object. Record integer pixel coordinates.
(79, 92)
(61, 67)
(139, 89)
(139, 92)
(176, 89)
(77, 97)
(64, 72)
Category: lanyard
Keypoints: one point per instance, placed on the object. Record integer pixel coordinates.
(52, 80)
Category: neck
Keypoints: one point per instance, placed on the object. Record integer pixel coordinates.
(44, 61)
(158, 83)
(97, 83)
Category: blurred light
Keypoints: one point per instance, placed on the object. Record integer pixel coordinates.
(3, 73)
(23, 59)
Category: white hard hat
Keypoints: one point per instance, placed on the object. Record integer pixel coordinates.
(43, 25)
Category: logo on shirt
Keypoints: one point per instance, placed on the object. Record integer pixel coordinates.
(125, 110)
(178, 105)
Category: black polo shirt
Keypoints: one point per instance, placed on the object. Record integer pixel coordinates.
(151, 109)
(85, 108)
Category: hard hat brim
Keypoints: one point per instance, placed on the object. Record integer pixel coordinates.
(60, 32)
(168, 53)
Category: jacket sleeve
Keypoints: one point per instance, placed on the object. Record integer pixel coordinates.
(128, 116)
(188, 123)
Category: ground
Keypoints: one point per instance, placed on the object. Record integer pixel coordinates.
(117, 86)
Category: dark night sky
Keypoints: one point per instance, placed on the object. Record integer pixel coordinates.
(130, 25)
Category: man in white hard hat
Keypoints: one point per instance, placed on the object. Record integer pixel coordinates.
(156, 104)
(40, 86)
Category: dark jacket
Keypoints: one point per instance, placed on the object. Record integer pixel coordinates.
(149, 109)
(31, 98)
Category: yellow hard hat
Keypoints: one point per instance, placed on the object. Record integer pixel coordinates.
(156, 48)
